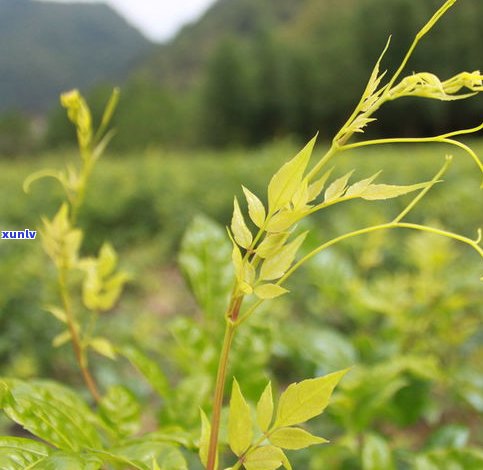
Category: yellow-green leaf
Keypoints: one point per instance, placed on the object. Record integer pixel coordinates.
(241, 233)
(271, 244)
(317, 186)
(205, 438)
(240, 430)
(107, 260)
(285, 182)
(237, 259)
(269, 291)
(358, 188)
(283, 220)
(337, 188)
(256, 210)
(286, 462)
(265, 408)
(376, 192)
(276, 266)
(61, 339)
(57, 312)
(294, 438)
(301, 196)
(307, 399)
(104, 347)
(265, 458)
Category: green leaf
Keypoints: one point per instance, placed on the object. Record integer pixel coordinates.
(317, 186)
(104, 347)
(67, 460)
(148, 368)
(376, 454)
(294, 438)
(307, 399)
(276, 266)
(469, 458)
(108, 111)
(237, 260)
(61, 339)
(337, 188)
(271, 244)
(205, 261)
(240, 431)
(171, 435)
(107, 260)
(301, 196)
(57, 312)
(269, 291)
(18, 453)
(265, 408)
(120, 410)
(240, 231)
(142, 452)
(256, 210)
(205, 438)
(53, 413)
(358, 188)
(155, 465)
(284, 219)
(264, 458)
(376, 192)
(58, 175)
(286, 181)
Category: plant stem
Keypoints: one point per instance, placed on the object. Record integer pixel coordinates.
(219, 391)
(76, 342)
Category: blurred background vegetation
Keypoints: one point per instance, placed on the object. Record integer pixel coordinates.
(249, 71)
(224, 103)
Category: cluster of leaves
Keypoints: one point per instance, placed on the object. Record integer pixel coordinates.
(299, 403)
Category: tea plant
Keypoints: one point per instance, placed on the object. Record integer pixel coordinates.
(264, 251)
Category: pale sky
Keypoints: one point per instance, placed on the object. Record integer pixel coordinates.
(157, 19)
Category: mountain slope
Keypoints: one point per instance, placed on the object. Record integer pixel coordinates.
(181, 62)
(46, 48)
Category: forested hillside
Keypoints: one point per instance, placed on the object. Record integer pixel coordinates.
(47, 47)
(252, 70)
